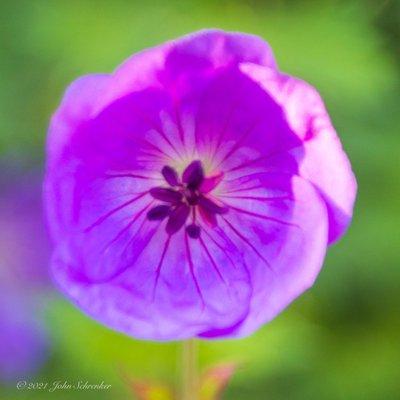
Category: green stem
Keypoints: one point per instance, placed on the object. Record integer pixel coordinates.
(190, 379)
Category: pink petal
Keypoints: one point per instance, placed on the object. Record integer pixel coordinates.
(238, 123)
(321, 158)
(283, 241)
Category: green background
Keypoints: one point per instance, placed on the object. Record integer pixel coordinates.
(341, 339)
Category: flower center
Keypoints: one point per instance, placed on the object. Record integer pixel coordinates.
(185, 199)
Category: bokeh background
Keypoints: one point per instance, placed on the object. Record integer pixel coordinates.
(340, 340)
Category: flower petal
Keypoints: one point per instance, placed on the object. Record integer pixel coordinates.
(238, 123)
(211, 49)
(79, 104)
(171, 64)
(208, 279)
(86, 153)
(283, 240)
(321, 158)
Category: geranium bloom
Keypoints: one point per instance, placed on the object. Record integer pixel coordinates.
(193, 191)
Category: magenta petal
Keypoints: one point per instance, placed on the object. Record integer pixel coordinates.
(324, 162)
(141, 305)
(283, 240)
(173, 61)
(80, 103)
(321, 158)
(239, 124)
(215, 48)
(139, 72)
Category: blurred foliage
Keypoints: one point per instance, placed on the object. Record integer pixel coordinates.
(338, 341)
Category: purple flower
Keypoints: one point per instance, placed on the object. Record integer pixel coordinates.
(23, 340)
(194, 191)
(24, 255)
(24, 243)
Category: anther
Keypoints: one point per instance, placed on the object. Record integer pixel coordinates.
(193, 175)
(165, 194)
(193, 231)
(170, 175)
(177, 218)
(158, 213)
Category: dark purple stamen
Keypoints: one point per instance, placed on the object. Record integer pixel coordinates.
(167, 195)
(193, 231)
(177, 218)
(191, 197)
(158, 213)
(170, 175)
(183, 197)
(210, 206)
(193, 175)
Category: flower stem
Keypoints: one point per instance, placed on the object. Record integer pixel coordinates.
(190, 379)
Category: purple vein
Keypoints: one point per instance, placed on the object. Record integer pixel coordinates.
(191, 267)
(128, 226)
(159, 129)
(179, 124)
(156, 148)
(258, 198)
(154, 125)
(265, 158)
(166, 138)
(250, 175)
(132, 240)
(243, 189)
(262, 216)
(159, 266)
(214, 264)
(113, 211)
(224, 129)
(224, 237)
(119, 272)
(238, 144)
(220, 247)
(246, 240)
(150, 154)
(249, 162)
(135, 176)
